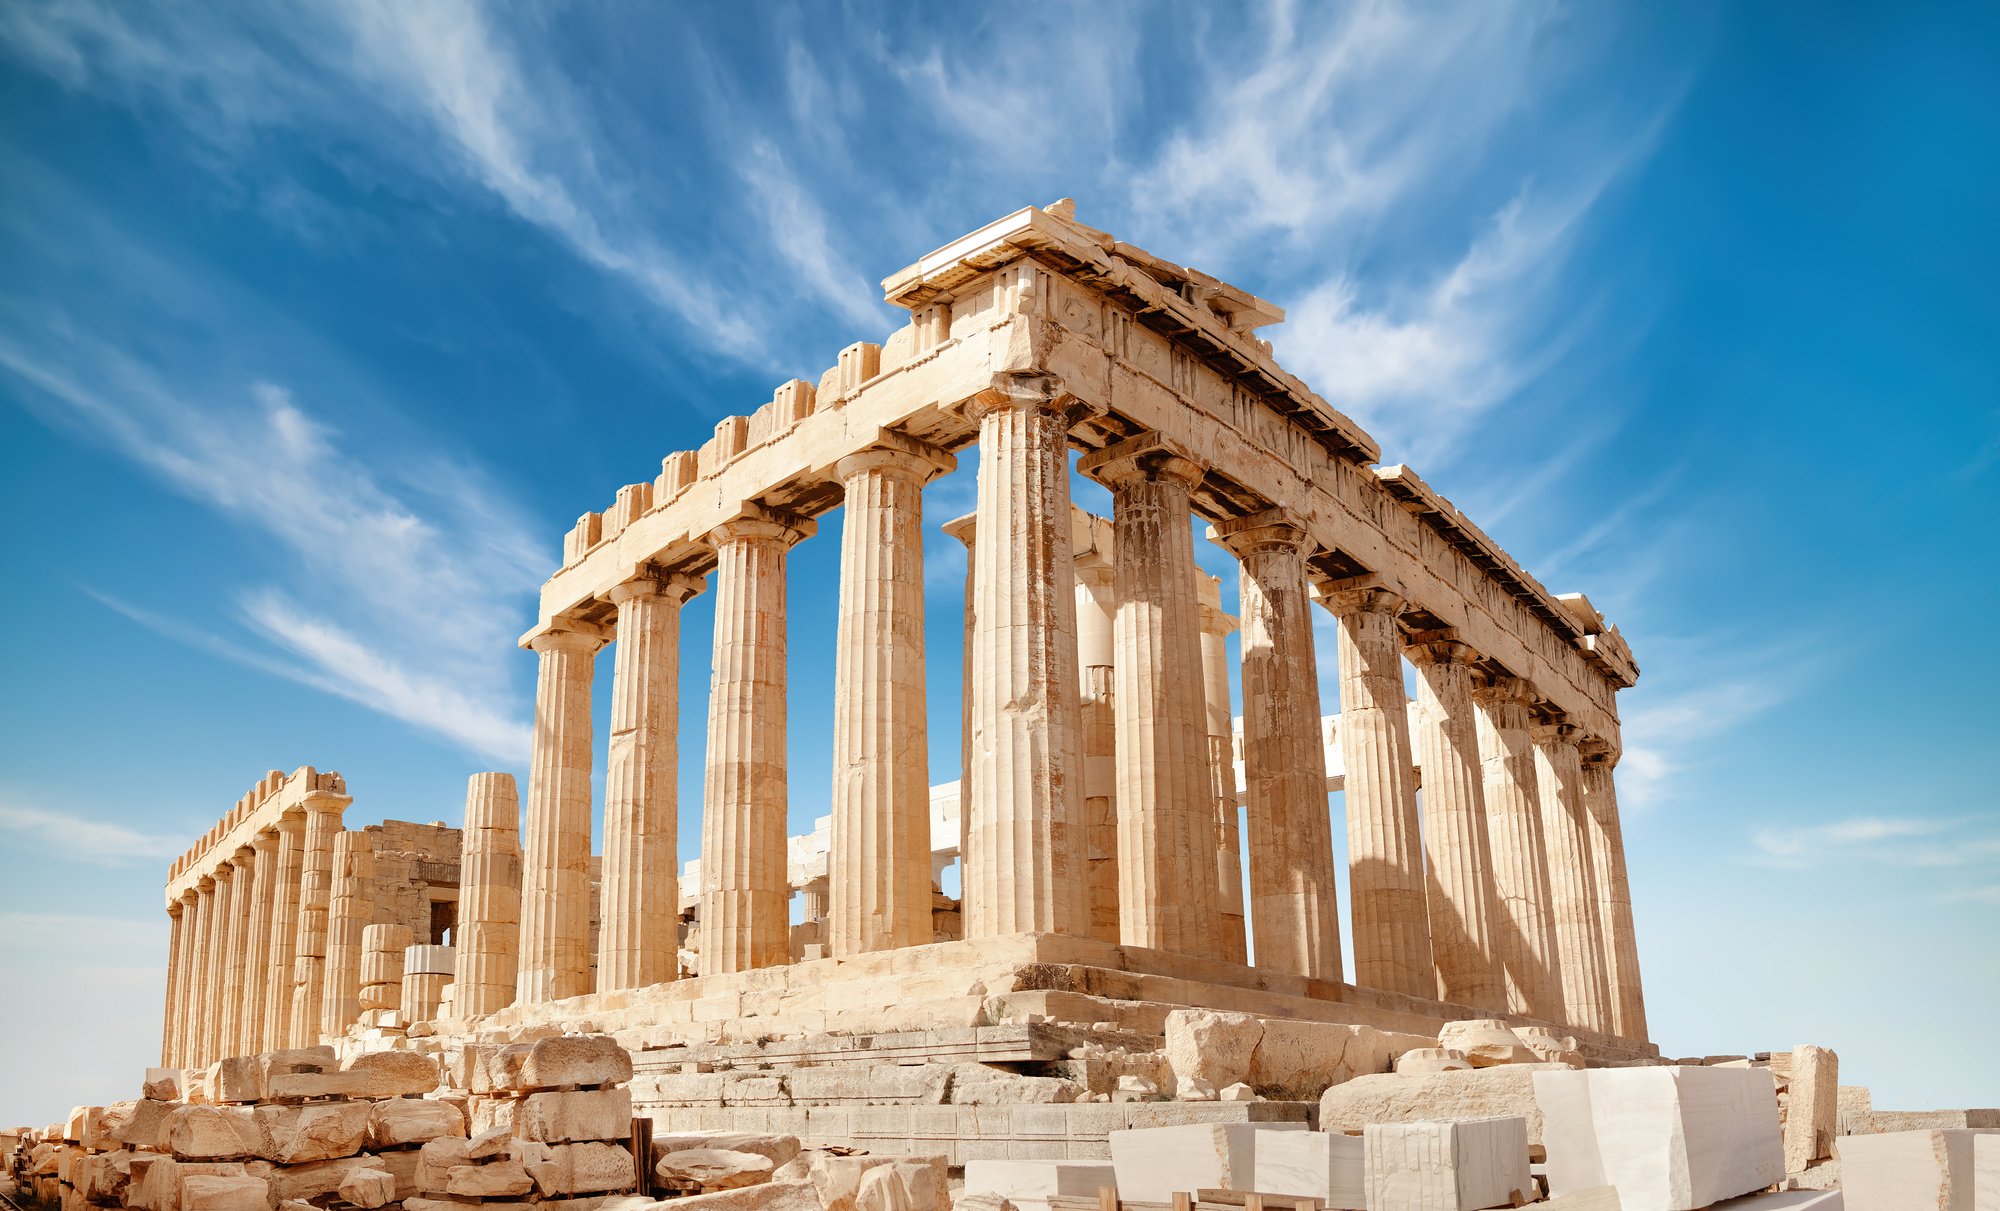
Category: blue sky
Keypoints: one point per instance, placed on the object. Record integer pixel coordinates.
(320, 324)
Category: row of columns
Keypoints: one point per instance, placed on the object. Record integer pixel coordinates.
(1505, 893)
(247, 942)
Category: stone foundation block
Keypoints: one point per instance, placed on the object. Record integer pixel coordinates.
(1716, 1128)
(399, 1122)
(1474, 1093)
(392, 1074)
(1455, 1166)
(1152, 1164)
(584, 1169)
(781, 1149)
(556, 1062)
(1312, 1164)
(209, 1192)
(1030, 1184)
(211, 1133)
(368, 1188)
(1951, 1170)
(296, 1135)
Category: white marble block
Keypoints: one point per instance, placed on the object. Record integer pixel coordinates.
(1455, 1166)
(1153, 1163)
(1030, 1184)
(1956, 1170)
(1670, 1138)
(1312, 1164)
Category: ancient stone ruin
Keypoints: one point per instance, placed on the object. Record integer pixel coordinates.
(1138, 996)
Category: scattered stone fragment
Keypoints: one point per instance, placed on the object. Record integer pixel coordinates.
(368, 1187)
(1431, 1059)
(1485, 1042)
(704, 1170)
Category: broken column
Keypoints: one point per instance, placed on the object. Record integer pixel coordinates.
(489, 927)
(1293, 911)
(426, 970)
(352, 914)
(382, 948)
(879, 863)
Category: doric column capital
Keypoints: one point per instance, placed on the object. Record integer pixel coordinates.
(1499, 689)
(962, 528)
(205, 885)
(1554, 731)
(757, 524)
(293, 821)
(1362, 599)
(672, 587)
(1266, 531)
(1032, 390)
(1146, 458)
(176, 907)
(1598, 752)
(898, 454)
(242, 857)
(188, 897)
(265, 841)
(563, 636)
(1438, 647)
(1215, 621)
(322, 803)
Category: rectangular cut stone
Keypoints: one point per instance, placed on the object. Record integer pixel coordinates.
(1716, 1129)
(1812, 1106)
(207, 1192)
(1030, 1184)
(1953, 1170)
(1154, 1163)
(1472, 1093)
(1457, 1166)
(1312, 1164)
(575, 1115)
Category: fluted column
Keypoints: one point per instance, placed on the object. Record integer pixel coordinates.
(1024, 865)
(323, 813)
(380, 970)
(1614, 890)
(1166, 809)
(1385, 858)
(880, 864)
(637, 941)
(1215, 630)
(745, 921)
(1458, 857)
(1572, 891)
(964, 529)
(176, 949)
(182, 1006)
(1523, 929)
(489, 923)
(242, 908)
(1097, 735)
(200, 965)
(1293, 913)
(284, 929)
(353, 911)
(257, 945)
(555, 865)
(215, 1014)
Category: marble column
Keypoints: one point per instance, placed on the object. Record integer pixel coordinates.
(489, 926)
(380, 969)
(964, 529)
(242, 908)
(1614, 890)
(323, 812)
(1216, 627)
(289, 866)
(1166, 806)
(1524, 929)
(195, 1050)
(1458, 857)
(745, 921)
(257, 948)
(1025, 841)
(215, 1014)
(637, 939)
(352, 913)
(186, 975)
(880, 861)
(1097, 735)
(1572, 891)
(177, 946)
(426, 970)
(555, 866)
(1385, 857)
(1294, 916)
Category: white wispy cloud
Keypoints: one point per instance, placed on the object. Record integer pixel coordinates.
(1911, 842)
(435, 583)
(101, 842)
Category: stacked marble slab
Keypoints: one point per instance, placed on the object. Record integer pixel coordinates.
(551, 1122)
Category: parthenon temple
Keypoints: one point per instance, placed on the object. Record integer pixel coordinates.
(1103, 773)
